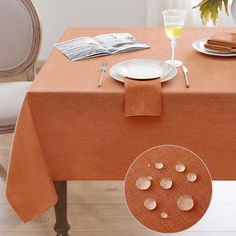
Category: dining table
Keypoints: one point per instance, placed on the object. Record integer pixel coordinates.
(71, 129)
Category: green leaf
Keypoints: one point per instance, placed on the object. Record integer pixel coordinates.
(226, 6)
(210, 8)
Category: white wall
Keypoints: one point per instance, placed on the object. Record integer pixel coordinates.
(56, 15)
(155, 7)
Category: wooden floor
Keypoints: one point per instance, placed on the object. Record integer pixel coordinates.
(97, 208)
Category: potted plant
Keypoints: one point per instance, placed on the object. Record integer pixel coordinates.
(209, 9)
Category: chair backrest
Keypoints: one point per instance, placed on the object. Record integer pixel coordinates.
(20, 36)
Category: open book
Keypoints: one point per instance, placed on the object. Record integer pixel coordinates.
(101, 45)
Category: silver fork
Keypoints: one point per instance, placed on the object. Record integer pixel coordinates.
(104, 67)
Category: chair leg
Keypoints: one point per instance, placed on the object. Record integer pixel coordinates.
(7, 129)
(31, 74)
(3, 173)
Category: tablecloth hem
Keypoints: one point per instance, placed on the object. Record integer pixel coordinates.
(26, 219)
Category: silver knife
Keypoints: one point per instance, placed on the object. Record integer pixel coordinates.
(185, 70)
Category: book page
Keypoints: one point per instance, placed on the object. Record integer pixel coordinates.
(120, 42)
(101, 45)
(81, 48)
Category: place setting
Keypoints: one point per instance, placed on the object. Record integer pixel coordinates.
(221, 44)
(141, 69)
(142, 78)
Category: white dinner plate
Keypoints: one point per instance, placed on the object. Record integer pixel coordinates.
(199, 46)
(142, 69)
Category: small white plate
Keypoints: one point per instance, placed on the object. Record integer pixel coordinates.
(142, 69)
(199, 46)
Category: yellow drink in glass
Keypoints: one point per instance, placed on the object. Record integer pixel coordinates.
(174, 23)
(173, 32)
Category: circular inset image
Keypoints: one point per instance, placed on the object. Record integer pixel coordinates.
(168, 202)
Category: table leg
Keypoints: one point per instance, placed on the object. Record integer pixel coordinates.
(61, 226)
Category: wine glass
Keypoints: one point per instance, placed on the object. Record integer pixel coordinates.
(174, 22)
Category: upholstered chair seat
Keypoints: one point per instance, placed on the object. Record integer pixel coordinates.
(11, 98)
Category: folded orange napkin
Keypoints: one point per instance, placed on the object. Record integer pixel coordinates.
(142, 97)
(223, 41)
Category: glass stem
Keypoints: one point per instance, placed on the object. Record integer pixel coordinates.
(173, 45)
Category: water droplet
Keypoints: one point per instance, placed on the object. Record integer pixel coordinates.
(143, 183)
(191, 177)
(166, 183)
(150, 204)
(150, 177)
(180, 167)
(164, 215)
(185, 203)
(159, 165)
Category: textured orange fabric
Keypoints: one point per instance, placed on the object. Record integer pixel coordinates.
(142, 97)
(200, 191)
(28, 176)
(222, 41)
(69, 129)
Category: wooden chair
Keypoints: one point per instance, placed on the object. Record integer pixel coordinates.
(19, 46)
(20, 38)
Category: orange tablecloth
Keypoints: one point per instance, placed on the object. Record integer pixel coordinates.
(69, 129)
